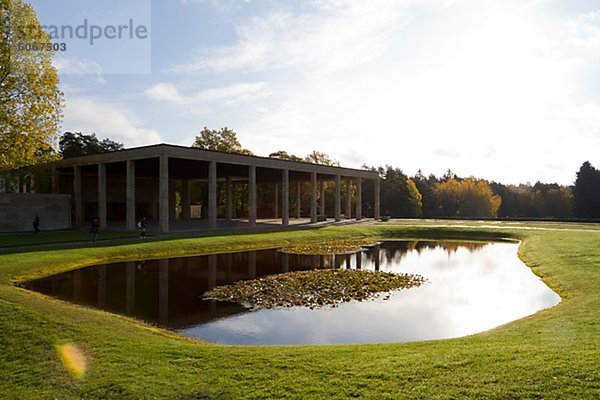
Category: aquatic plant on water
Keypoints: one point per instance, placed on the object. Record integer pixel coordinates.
(331, 247)
(314, 288)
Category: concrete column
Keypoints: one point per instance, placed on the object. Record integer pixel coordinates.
(212, 195)
(348, 199)
(172, 201)
(55, 188)
(322, 199)
(313, 197)
(252, 195)
(186, 199)
(298, 199)
(228, 200)
(377, 206)
(163, 290)
(358, 199)
(130, 196)
(130, 288)
(338, 200)
(285, 197)
(77, 195)
(163, 194)
(102, 194)
(276, 202)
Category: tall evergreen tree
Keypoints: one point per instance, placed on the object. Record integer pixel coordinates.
(586, 194)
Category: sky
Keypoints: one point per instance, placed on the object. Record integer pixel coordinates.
(506, 90)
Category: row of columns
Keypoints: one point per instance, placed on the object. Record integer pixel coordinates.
(163, 198)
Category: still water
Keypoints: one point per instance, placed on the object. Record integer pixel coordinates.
(472, 287)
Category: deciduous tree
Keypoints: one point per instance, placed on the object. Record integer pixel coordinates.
(30, 100)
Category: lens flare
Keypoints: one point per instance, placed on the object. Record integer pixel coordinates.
(73, 359)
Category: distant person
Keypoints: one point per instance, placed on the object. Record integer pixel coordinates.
(94, 230)
(142, 225)
(36, 224)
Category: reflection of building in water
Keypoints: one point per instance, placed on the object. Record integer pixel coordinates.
(169, 291)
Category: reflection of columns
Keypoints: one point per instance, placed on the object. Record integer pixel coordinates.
(186, 199)
(163, 290)
(252, 195)
(348, 199)
(101, 286)
(130, 195)
(376, 256)
(130, 288)
(313, 197)
(298, 199)
(337, 261)
(285, 262)
(322, 198)
(377, 212)
(348, 261)
(338, 205)
(252, 264)
(212, 195)
(212, 271)
(77, 195)
(228, 199)
(358, 199)
(76, 284)
(163, 194)
(229, 266)
(102, 194)
(314, 261)
(285, 197)
(358, 259)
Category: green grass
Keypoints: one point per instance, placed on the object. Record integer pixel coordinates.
(553, 354)
(53, 237)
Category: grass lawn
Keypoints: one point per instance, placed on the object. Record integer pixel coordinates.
(554, 354)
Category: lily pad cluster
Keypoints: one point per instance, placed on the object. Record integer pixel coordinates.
(314, 288)
(324, 248)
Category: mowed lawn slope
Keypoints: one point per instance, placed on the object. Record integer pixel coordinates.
(553, 354)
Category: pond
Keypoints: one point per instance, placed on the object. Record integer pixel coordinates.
(471, 287)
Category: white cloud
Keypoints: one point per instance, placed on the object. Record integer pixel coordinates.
(494, 98)
(165, 91)
(76, 66)
(330, 36)
(202, 100)
(89, 116)
(583, 34)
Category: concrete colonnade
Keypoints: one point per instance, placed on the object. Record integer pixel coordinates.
(318, 177)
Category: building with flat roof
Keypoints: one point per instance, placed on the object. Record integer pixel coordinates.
(149, 181)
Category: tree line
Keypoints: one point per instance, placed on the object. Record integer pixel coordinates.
(451, 196)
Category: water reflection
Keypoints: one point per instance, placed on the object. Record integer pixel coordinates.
(472, 287)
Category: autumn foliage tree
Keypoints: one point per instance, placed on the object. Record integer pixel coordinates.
(467, 198)
(224, 140)
(30, 101)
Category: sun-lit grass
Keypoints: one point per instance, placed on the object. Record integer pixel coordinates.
(553, 354)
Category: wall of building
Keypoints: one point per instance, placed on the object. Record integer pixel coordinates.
(18, 210)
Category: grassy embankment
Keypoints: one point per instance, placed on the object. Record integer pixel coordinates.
(552, 354)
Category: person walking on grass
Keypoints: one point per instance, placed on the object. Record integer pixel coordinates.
(94, 230)
(36, 224)
(142, 225)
